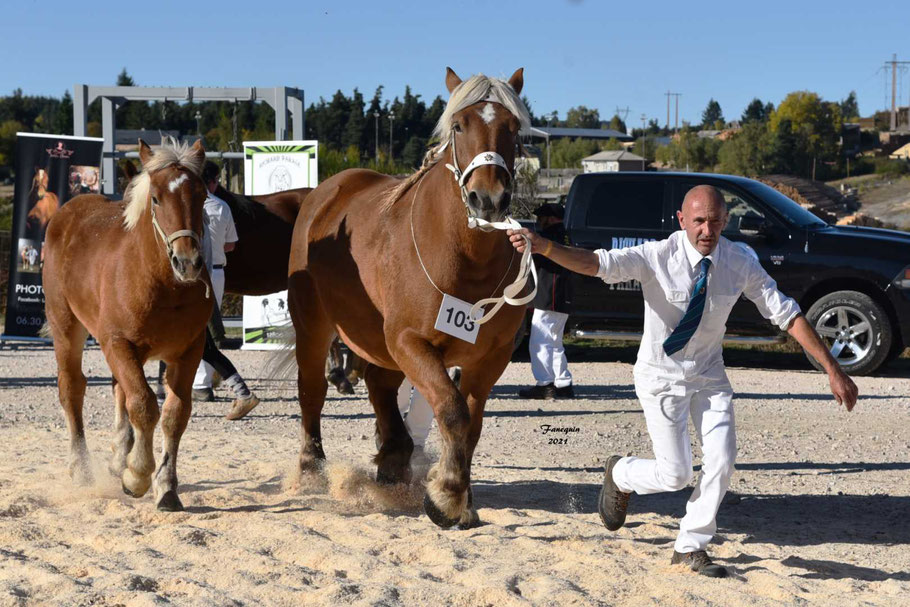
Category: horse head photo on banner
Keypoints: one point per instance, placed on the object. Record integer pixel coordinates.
(42, 202)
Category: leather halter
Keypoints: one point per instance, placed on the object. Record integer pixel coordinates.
(168, 241)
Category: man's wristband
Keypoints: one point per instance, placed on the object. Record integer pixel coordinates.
(549, 247)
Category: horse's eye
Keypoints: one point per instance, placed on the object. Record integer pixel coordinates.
(456, 127)
(154, 201)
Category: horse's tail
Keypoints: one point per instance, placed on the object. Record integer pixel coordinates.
(283, 363)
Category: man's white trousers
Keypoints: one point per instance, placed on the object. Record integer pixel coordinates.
(667, 405)
(548, 356)
(416, 412)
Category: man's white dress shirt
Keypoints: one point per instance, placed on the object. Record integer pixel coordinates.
(667, 270)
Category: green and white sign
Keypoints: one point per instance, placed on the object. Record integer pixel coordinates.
(276, 166)
(269, 167)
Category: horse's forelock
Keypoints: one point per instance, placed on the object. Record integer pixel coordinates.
(171, 152)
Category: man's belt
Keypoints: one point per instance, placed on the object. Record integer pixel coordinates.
(218, 266)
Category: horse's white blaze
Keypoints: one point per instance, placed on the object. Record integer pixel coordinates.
(488, 114)
(175, 183)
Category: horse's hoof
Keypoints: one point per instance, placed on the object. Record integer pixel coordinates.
(392, 478)
(169, 502)
(135, 486)
(436, 515)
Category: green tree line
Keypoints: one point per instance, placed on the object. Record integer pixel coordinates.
(800, 136)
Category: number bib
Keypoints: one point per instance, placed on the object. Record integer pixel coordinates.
(454, 319)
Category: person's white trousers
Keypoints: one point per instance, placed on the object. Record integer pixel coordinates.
(667, 406)
(548, 356)
(205, 371)
(419, 413)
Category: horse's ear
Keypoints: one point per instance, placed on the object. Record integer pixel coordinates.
(130, 170)
(452, 79)
(145, 152)
(517, 80)
(199, 151)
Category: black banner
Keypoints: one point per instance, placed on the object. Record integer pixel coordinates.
(50, 169)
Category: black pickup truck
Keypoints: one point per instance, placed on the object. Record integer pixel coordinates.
(852, 283)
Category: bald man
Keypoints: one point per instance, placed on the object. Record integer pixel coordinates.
(690, 281)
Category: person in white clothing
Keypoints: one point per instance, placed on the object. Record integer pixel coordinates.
(417, 415)
(548, 322)
(219, 238)
(690, 281)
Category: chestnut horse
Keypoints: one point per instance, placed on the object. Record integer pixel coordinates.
(132, 275)
(46, 203)
(368, 251)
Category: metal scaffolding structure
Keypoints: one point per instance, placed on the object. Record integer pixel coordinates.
(286, 101)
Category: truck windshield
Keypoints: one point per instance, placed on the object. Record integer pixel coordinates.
(791, 211)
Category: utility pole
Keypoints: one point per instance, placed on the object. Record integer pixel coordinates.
(894, 63)
(391, 120)
(676, 121)
(624, 115)
(677, 95)
(644, 137)
(376, 116)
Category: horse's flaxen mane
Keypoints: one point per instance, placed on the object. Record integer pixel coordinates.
(136, 195)
(475, 89)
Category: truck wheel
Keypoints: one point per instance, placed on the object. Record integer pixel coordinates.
(855, 328)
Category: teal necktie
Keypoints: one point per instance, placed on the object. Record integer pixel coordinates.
(689, 323)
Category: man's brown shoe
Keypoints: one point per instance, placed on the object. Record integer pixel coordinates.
(613, 502)
(241, 407)
(700, 562)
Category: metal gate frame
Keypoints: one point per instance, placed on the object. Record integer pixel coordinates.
(286, 101)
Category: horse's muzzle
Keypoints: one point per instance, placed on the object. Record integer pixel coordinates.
(187, 268)
(490, 207)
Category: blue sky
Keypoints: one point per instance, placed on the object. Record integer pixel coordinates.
(599, 54)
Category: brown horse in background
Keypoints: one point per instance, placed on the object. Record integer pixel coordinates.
(355, 270)
(265, 224)
(46, 203)
(259, 264)
(132, 274)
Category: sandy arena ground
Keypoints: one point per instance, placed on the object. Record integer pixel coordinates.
(818, 512)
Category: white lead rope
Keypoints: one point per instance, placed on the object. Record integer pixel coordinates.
(511, 291)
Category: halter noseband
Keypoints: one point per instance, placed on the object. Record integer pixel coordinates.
(168, 240)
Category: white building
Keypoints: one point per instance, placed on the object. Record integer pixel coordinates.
(613, 161)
